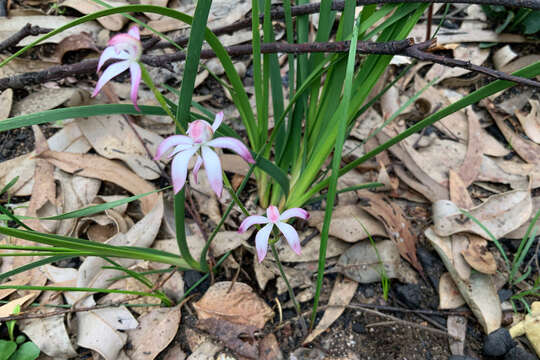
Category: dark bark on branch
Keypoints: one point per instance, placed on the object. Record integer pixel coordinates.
(339, 5)
(26, 30)
(402, 47)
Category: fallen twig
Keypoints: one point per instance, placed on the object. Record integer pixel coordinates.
(402, 47)
(339, 5)
(26, 30)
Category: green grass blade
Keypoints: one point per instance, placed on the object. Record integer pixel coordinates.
(35, 264)
(193, 57)
(91, 210)
(341, 120)
(50, 116)
(490, 89)
(96, 248)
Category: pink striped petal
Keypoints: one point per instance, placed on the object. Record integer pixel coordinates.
(217, 121)
(170, 142)
(213, 170)
(272, 213)
(179, 148)
(135, 70)
(261, 241)
(109, 73)
(196, 168)
(179, 169)
(291, 235)
(134, 32)
(123, 38)
(250, 221)
(111, 53)
(294, 212)
(232, 144)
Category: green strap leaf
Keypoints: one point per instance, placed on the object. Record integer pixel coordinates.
(77, 112)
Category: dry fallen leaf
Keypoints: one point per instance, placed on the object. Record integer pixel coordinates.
(234, 302)
(269, 348)
(46, 99)
(457, 327)
(113, 138)
(68, 139)
(98, 329)
(478, 291)
(520, 232)
(157, 328)
(112, 22)
(229, 334)
(398, 228)
(478, 256)
(7, 309)
(531, 121)
(346, 223)
(49, 333)
(527, 150)
(470, 167)
(8, 26)
(310, 251)
(362, 262)
(500, 214)
(449, 295)
(6, 100)
(73, 43)
(142, 234)
(342, 294)
(94, 166)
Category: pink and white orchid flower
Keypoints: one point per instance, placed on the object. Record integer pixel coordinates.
(128, 48)
(199, 141)
(274, 218)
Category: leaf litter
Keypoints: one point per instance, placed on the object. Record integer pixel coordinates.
(446, 168)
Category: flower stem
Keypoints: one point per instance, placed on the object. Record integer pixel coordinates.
(159, 97)
(291, 292)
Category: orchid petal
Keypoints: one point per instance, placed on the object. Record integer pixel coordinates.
(111, 53)
(200, 131)
(261, 241)
(123, 38)
(294, 212)
(109, 73)
(272, 213)
(134, 32)
(250, 221)
(179, 148)
(170, 142)
(135, 70)
(232, 144)
(217, 121)
(213, 170)
(179, 169)
(291, 235)
(196, 168)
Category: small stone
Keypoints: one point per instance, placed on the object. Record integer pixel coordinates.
(505, 294)
(409, 294)
(498, 343)
(519, 353)
(461, 357)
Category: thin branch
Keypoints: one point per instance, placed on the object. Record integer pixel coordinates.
(402, 47)
(339, 5)
(26, 30)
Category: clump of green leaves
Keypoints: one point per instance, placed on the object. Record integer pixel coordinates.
(17, 348)
(521, 20)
